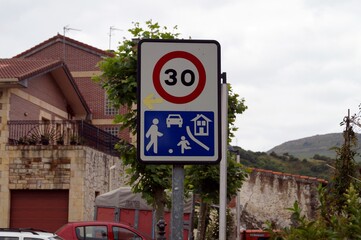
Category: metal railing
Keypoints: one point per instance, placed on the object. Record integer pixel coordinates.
(61, 132)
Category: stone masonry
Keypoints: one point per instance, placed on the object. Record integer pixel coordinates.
(84, 171)
(266, 195)
(4, 166)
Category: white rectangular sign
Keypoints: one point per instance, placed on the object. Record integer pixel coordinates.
(178, 101)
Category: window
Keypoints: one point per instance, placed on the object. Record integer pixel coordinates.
(91, 232)
(112, 130)
(125, 234)
(109, 108)
(9, 238)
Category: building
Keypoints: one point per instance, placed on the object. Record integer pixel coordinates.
(82, 60)
(56, 136)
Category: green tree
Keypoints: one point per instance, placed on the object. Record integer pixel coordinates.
(204, 180)
(119, 80)
(346, 224)
(344, 174)
(236, 106)
(339, 211)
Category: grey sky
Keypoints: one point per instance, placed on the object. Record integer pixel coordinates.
(296, 62)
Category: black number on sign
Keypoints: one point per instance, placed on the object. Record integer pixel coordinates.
(172, 77)
(172, 74)
(184, 80)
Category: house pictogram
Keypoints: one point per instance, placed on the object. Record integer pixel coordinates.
(201, 125)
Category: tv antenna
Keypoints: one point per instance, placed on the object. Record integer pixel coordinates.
(111, 29)
(65, 30)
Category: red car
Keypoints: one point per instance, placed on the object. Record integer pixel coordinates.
(94, 230)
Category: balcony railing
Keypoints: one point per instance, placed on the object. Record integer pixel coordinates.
(62, 132)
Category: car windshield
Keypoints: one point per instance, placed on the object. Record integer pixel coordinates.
(123, 233)
(91, 232)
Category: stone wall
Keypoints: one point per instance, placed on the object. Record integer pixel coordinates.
(109, 174)
(38, 167)
(266, 195)
(84, 171)
(4, 166)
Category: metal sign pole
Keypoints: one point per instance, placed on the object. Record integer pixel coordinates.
(223, 163)
(177, 202)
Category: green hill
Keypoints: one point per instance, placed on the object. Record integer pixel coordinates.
(287, 163)
(306, 148)
(310, 156)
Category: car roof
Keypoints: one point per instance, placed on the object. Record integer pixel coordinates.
(99, 223)
(25, 232)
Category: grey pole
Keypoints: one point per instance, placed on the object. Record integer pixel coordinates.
(177, 202)
(238, 207)
(223, 163)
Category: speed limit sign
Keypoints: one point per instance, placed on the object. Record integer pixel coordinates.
(178, 101)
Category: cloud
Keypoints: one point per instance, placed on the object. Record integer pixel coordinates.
(296, 62)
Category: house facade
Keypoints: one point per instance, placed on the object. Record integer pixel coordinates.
(82, 61)
(47, 180)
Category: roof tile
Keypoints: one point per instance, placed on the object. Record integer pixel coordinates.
(62, 38)
(25, 68)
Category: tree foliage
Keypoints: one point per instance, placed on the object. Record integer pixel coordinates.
(119, 80)
(340, 207)
(345, 167)
(236, 105)
(345, 224)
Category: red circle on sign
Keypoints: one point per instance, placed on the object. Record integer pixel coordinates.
(176, 99)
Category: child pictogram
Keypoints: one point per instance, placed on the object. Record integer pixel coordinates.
(184, 144)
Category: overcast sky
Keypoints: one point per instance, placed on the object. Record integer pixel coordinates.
(297, 63)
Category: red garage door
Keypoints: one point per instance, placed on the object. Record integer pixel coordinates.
(41, 209)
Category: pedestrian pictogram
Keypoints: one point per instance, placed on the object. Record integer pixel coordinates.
(153, 134)
(178, 101)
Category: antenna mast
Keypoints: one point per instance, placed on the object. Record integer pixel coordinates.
(65, 30)
(111, 29)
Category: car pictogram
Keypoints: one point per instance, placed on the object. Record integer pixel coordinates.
(174, 119)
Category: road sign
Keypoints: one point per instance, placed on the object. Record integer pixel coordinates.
(178, 101)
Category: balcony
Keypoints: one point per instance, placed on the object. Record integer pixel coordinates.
(62, 132)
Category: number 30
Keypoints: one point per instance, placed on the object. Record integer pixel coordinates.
(172, 77)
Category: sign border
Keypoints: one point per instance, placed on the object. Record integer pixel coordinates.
(190, 57)
(139, 117)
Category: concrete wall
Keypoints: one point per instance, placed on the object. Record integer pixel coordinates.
(266, 195)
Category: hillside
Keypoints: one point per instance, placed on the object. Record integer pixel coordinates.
(286, 163)
(306, 148)
(310, 156)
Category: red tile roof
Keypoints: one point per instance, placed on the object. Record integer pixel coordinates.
(21, 69)
(314, 179)
(61, 38)
(25, 68)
